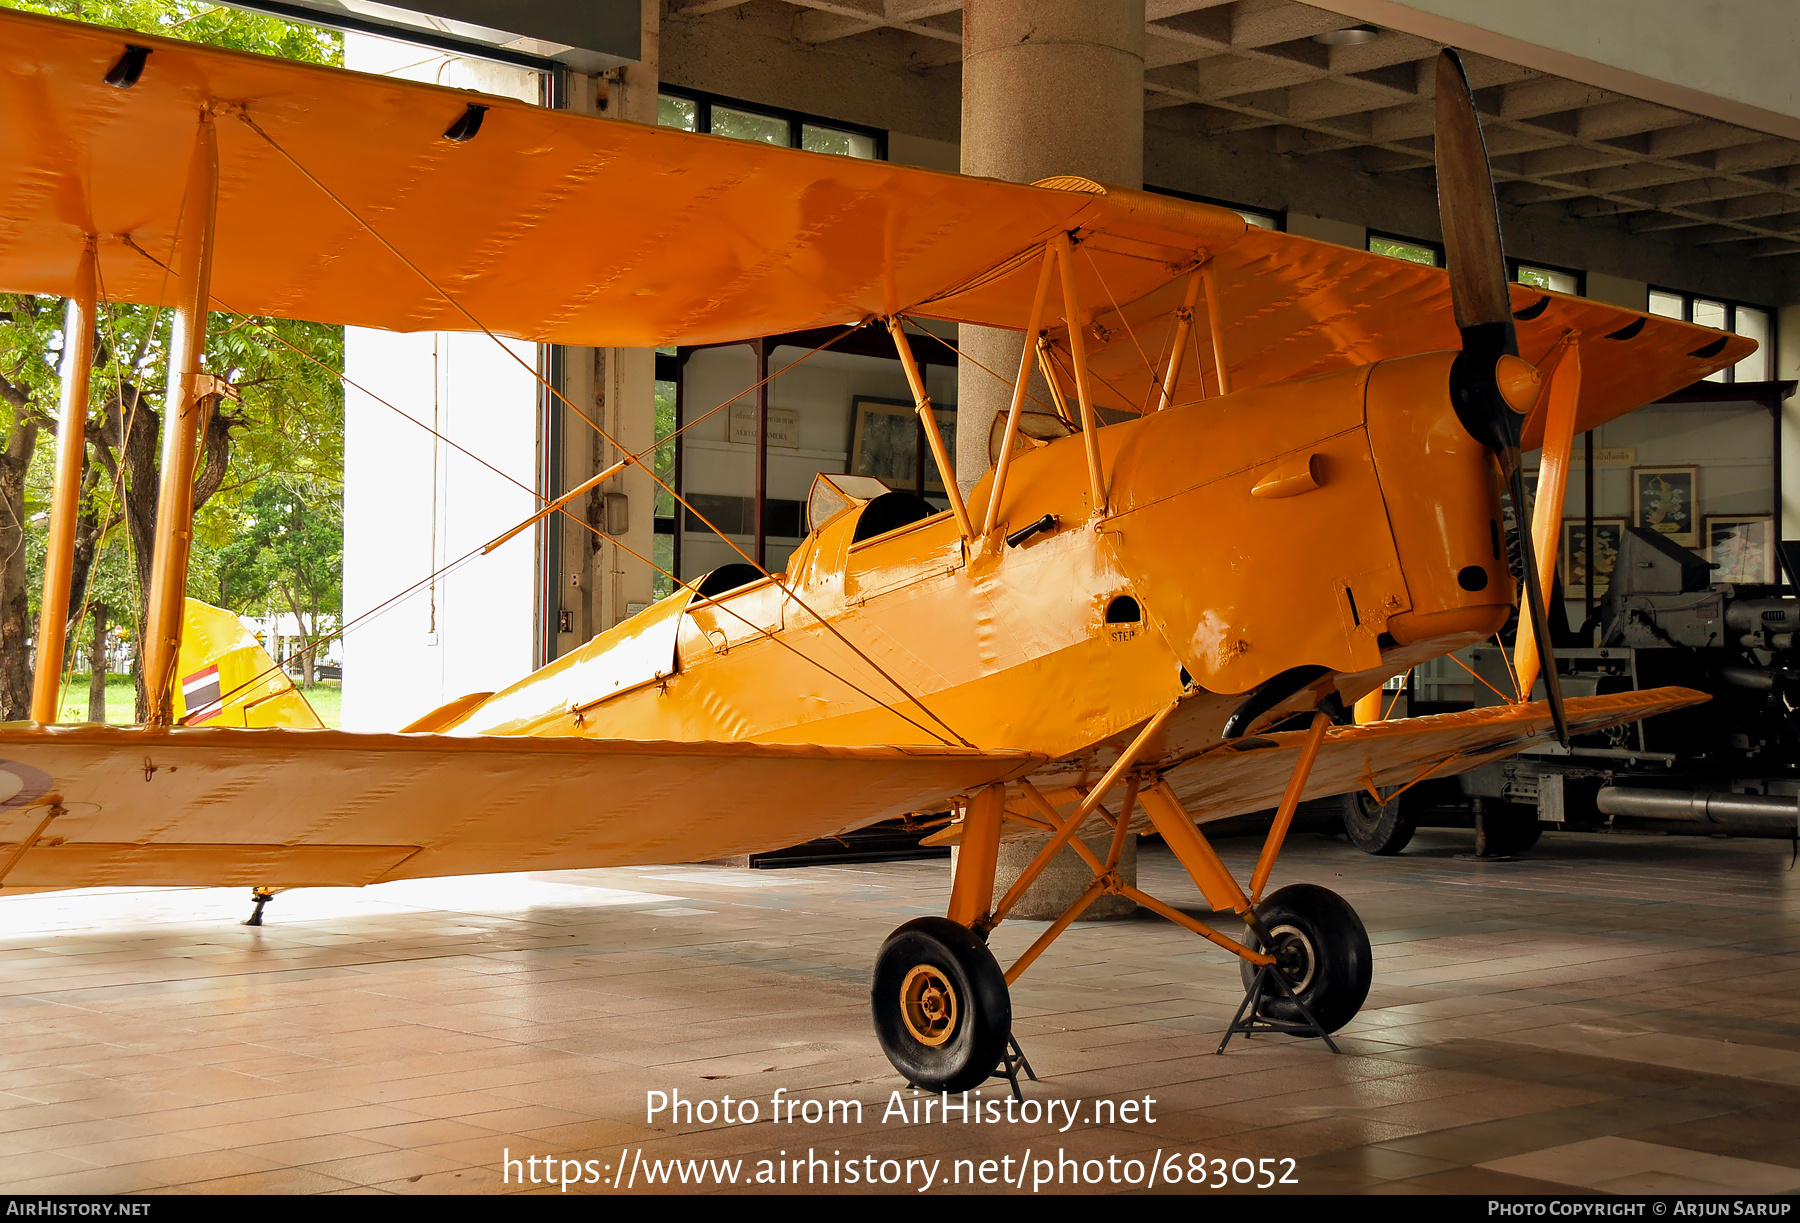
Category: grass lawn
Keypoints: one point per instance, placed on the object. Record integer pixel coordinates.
(121, 701)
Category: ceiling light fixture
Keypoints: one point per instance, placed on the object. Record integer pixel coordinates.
(1351, 36)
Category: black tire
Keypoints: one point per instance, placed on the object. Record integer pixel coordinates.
(1379, 828)
(941, 1006)
(1324, 952)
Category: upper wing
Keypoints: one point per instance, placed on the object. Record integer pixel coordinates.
(1292, 307)
(546, 225)
(84, 806)
(1251, 774)
(565, 228)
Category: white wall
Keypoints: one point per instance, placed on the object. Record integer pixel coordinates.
(1325, 229)
(413, 503)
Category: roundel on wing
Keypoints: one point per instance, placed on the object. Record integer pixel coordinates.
(20, 784)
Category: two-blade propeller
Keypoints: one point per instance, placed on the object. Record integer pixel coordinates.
(1490, 386)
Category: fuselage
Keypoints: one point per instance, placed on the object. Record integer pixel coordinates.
(1345, 521)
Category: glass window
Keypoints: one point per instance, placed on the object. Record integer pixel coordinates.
(683, 113)
(1412, 252)
(1668, 305)
(830, 140)
(1260, 220)
(1753, 324)
(1711, 314)
(1548, 278)
(748, 125)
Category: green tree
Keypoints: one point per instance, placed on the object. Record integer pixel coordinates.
(287, 555)
(289, 420)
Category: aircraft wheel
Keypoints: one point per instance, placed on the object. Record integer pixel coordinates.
(1379, 828)
(1323, 953)
(942, 1010)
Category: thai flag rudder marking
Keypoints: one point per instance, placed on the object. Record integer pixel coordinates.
(200, 693)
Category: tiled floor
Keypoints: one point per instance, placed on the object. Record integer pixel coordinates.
(1612, 1013)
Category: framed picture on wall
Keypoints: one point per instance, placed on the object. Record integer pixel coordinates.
(1508, 521)
(886, 441)
(1580, 563)
(1662, 500)
(1742, 547)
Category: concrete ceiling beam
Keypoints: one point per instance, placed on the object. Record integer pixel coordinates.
(903, 11)
(1627, 116)
(926, 52)
(1265, 23)
(1703, 136)
(1209, 28)
(815, 26)
(1159, 10)
(700, 8)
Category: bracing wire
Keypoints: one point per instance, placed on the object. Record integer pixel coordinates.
(607, 437)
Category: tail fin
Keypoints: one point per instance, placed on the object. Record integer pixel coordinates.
(227, 679)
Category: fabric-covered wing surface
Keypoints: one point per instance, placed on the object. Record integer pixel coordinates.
(216, 806)
(546, 225)
(1251, 774)
(1293, 307)
(565, 228)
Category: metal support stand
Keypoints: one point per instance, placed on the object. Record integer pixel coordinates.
(261, 897)
(1256, 1021)
(1011, 1062)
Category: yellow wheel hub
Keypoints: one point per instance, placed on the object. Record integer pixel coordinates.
(928, 1005)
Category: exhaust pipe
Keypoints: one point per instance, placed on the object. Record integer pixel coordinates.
(1763, 811)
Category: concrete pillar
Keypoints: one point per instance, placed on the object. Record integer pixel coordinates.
(1049, 87)
(1064, 879)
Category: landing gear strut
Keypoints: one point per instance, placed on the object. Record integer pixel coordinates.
(941, 1004)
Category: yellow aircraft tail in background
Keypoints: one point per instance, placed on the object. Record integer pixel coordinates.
(225, 677)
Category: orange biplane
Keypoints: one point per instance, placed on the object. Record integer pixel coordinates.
(1297, 498)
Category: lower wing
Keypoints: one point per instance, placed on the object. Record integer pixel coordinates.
(87, 806)
(1250, 774)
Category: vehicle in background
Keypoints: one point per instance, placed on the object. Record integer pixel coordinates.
(1731, 765)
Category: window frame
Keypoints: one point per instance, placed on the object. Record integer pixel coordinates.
(796, 120)
(1436, 248)
(1732, 306)
(1514, 264)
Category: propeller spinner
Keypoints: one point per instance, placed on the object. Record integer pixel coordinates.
(1491, 387)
